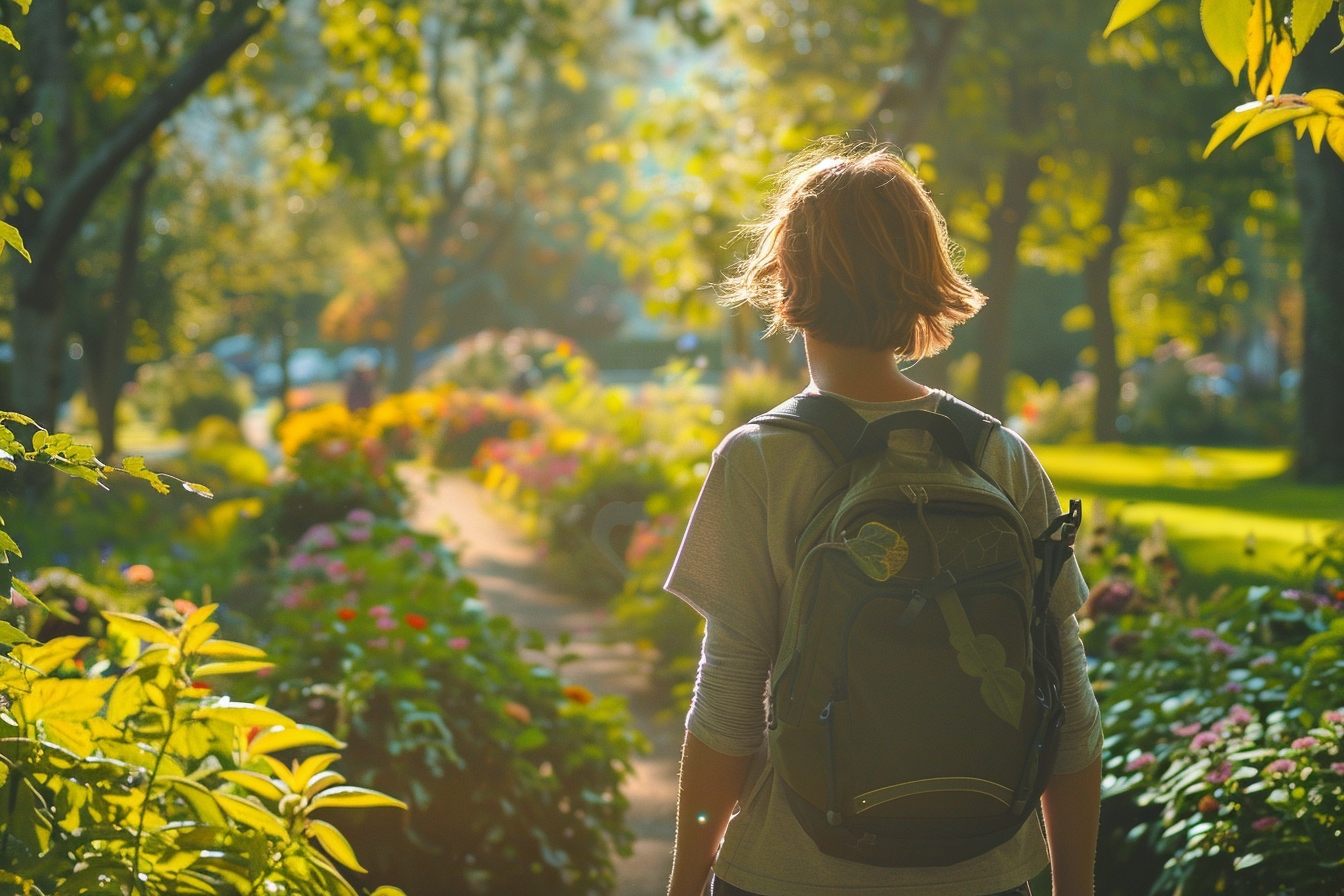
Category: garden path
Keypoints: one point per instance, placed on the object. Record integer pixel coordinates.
(505, 567)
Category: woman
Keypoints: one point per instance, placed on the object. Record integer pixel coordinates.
(853, 254)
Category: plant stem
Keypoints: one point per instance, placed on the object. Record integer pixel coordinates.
(149, 791)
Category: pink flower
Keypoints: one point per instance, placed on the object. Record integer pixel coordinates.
(358, 535)
(1332, 715)
(376, 643)
(1232, 687)
(380, 611)
(1220, 774)
(300, 561)
(1239, 715)
(459, 643)
(1219, 646)
(1203, 634)
(1280, 767)
(265, 672)
(1140, 761)
(1267, 823)
(386, 623)
(1337, 768)
(1186, 730)
(360, 516)
(337, 571)
(403, 544)
(292, 599)
(1203, 740)
(320, 537)
(17, 599)
(1305, 743)
(427, 559)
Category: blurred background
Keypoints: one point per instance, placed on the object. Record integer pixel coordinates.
(423, 292)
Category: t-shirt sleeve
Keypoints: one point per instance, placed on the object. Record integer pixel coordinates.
(723, 568)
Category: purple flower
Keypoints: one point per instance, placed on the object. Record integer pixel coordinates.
(320, 538)
(1140, 761)
(1267, 823)
(1220, 774)
(1203, 634)
(1186, 730)
(360, 516)
(1203, 739)
(1280, 767)
(1305, 743)
(300, 561)
(1232, 687)
(1114, 597)
(1220, 646)
(386, 623)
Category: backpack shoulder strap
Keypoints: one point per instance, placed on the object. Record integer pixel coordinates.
(976, 426)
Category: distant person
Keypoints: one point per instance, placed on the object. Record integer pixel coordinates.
(886, 676)
(360, 386)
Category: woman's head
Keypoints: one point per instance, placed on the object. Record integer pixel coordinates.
(852, 251)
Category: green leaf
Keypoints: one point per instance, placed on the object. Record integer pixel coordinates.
(354, 798)
(45, 658)
(8, 544)
(388, 891)
(1127, 11)
(1247, 861)
(142, 628)
(39, 439)
(9, 234)
(1224, 23)
(277, 739)
(238, 667)
(135, 466)
(1307, 17)
(334, 842)
(197, 489)
(7, 36)
(878, 550)
(11, 635)
(15, 416)
(261, 785)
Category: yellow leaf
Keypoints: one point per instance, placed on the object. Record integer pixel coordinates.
(238, 667)
(45, 658)
(276, 739)
(1280, 62)
(1268, 118)
(1316, 127)
(142, 628)
(1127, 11)
(67, 699)
(334, 842)
(7, 36)
(1225, 24)
(230, 650)
(311, 766)
(1227, 125)
(1331, 102)
(196, 636)
(1307, 17)
(1255, 42)
(199, 615)
(320, 782)
(244, 715)
(261, 785)
(201, 798)
(252, 815)
(1334, 135)
(354, 798)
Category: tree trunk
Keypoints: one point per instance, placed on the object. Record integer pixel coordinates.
(1097, 289)
(419, 285)
(106, 350)
(911, 97)
(1005, 225)
(1320, 193)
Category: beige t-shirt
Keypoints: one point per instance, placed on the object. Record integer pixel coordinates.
(732, 567)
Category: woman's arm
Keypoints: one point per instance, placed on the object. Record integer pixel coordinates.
(1071, 805)
(710, 784)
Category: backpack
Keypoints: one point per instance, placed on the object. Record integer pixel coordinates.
(914, 707)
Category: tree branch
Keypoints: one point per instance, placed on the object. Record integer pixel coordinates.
(71, 202)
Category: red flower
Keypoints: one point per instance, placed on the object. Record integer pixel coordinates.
(345, 614)
(416, 621)
(201, 685)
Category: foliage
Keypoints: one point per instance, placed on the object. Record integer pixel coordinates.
(1262, 38)
(181, 392)
(470, 417)
(517, 360)
(512, 776)
(1225, 726)
(1046, 414)
(751, 390)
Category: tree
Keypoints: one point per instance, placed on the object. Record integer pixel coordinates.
(97, 83)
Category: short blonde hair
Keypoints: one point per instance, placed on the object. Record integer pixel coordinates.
(851, 250)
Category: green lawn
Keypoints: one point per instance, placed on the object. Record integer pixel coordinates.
(1209, 499)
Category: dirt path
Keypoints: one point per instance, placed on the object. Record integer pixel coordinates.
(504, 566)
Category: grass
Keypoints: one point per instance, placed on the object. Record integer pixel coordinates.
(1209, 500)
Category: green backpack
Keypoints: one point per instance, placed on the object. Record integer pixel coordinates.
(914, 708)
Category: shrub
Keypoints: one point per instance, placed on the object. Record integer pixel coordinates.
(182, 391)
(518, 360)
(513, 777)
(470, 417)
(752, 390)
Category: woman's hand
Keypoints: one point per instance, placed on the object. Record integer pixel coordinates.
(710, 784)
